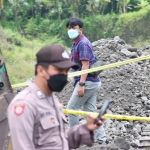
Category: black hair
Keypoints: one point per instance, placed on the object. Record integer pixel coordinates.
(45, 65)
(74, 22)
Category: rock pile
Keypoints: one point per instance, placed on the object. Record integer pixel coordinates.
(128, 86)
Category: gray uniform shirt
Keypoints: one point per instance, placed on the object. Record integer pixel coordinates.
(37, 124)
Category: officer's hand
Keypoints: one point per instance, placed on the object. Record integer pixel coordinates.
(81, 91)
(91, 122)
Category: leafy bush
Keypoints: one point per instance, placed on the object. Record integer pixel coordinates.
(31, 27)
(128, 26)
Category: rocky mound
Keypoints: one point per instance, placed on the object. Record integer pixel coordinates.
(128, 86)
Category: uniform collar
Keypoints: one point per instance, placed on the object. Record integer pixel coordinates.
(37, 90)
(78, 39)
(42, 96)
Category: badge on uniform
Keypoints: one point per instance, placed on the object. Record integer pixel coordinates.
(53, 120)
(19, 109)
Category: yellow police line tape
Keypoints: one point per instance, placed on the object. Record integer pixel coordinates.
(93, 69)
(118, 117)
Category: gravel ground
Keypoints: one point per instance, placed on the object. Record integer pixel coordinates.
(127, 86)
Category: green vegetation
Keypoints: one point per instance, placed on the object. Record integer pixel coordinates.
(34, 23)
(133, 27)
(20, 61)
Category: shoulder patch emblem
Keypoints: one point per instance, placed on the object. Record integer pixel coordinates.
(19, 109)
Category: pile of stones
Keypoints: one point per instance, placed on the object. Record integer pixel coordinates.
(128, 86)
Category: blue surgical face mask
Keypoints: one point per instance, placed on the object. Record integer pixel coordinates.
(73, 34)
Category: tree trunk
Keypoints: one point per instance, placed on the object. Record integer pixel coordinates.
(36, 9)
(124, 6)
(15, 9)
(58, 10)
(59, 15)
(112, 5)
(117, 7)
(103, 8)
(77, 4)
(92, 8)
(2, 9)
(2, 13)
(21, 31)
(70, 3)
(32, 12)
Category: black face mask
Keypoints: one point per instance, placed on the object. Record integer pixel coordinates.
(57, 82)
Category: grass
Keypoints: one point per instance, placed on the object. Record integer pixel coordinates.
(139, 42)
(20, 61)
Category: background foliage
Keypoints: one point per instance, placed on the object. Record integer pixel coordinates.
(35, 23)
(105, 18)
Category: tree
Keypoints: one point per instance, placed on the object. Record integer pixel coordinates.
(97, 6)
(37, 5)
(2, 9)
(15, 6)
(142, 3)
(122, 6)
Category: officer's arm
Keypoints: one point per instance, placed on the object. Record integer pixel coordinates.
(21, 123)
(80, 135)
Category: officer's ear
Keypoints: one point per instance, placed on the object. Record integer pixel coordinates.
(40, 70)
